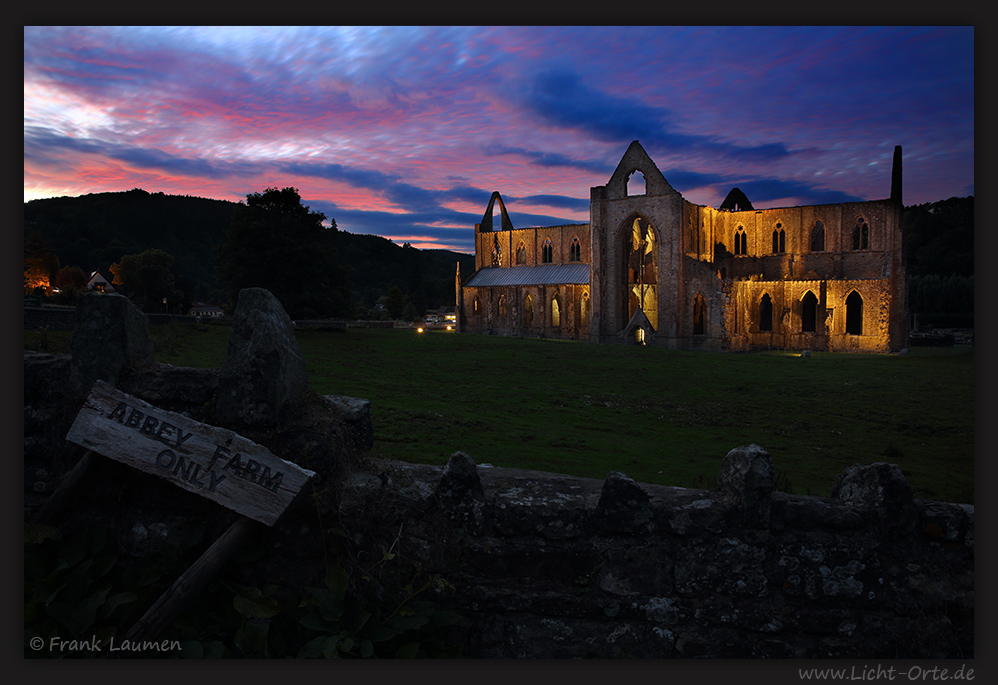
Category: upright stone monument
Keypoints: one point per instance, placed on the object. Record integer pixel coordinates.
(879, 490)
(748, 480)
(263, 367)
(110, 336)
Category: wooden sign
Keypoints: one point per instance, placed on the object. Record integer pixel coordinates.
(213, 462)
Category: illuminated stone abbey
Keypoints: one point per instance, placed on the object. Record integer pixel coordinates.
(653, 268)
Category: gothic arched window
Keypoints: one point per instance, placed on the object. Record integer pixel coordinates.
(861, 235)
(808, 313)
(741, 242)
(818, 237)
(699, 314)
(766, 313)
(547, 252)
(854, 314)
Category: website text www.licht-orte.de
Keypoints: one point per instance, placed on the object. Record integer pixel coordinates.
(879, 672)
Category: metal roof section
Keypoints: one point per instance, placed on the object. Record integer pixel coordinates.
(546, 274)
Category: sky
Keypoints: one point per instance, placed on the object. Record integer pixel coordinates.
(405, 132)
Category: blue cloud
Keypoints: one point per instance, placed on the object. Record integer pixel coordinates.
(556, 201)
(361, 178)
(762, 190)
(562, 99)
(550, 159)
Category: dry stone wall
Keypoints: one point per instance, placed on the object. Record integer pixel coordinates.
(543, 565)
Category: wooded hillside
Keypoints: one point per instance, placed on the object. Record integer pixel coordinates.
(95, 231)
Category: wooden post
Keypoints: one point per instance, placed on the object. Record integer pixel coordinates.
(68, 488)
(193, 579)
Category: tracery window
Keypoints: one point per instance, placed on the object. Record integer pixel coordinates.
(640, 253)
(861, 235)
(521, 253)
(741, 242)
(547, 252)
(779, 239)
(575, 250)
(496, 252)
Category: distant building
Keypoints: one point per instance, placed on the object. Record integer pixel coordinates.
(651, 267)
(99, 283)
(447, 313)
(203, 310)
(442, 316)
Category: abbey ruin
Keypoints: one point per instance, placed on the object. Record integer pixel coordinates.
(653, 268)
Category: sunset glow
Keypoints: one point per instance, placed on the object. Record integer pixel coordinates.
(405, 132)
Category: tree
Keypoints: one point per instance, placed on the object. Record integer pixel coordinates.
(416, 293)
(409, 313)
(40, 263)
(70, 281)
(71, 278)
(395, 303)
(275, 242)
(147, 278)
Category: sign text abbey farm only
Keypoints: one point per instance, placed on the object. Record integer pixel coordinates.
(213, 462)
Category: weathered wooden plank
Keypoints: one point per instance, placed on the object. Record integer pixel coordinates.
(213, 462)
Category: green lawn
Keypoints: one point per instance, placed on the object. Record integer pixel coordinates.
(661, 416)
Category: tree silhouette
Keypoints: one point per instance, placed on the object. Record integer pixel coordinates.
(395, 304)
(147, 279)
(275, 242)
(416, 294)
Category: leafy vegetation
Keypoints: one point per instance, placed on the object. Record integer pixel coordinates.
(75, 590)
(939, 253)
(940, 237)
(661, 416)
(76, 593)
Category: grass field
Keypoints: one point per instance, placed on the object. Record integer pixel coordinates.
(660, 416)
